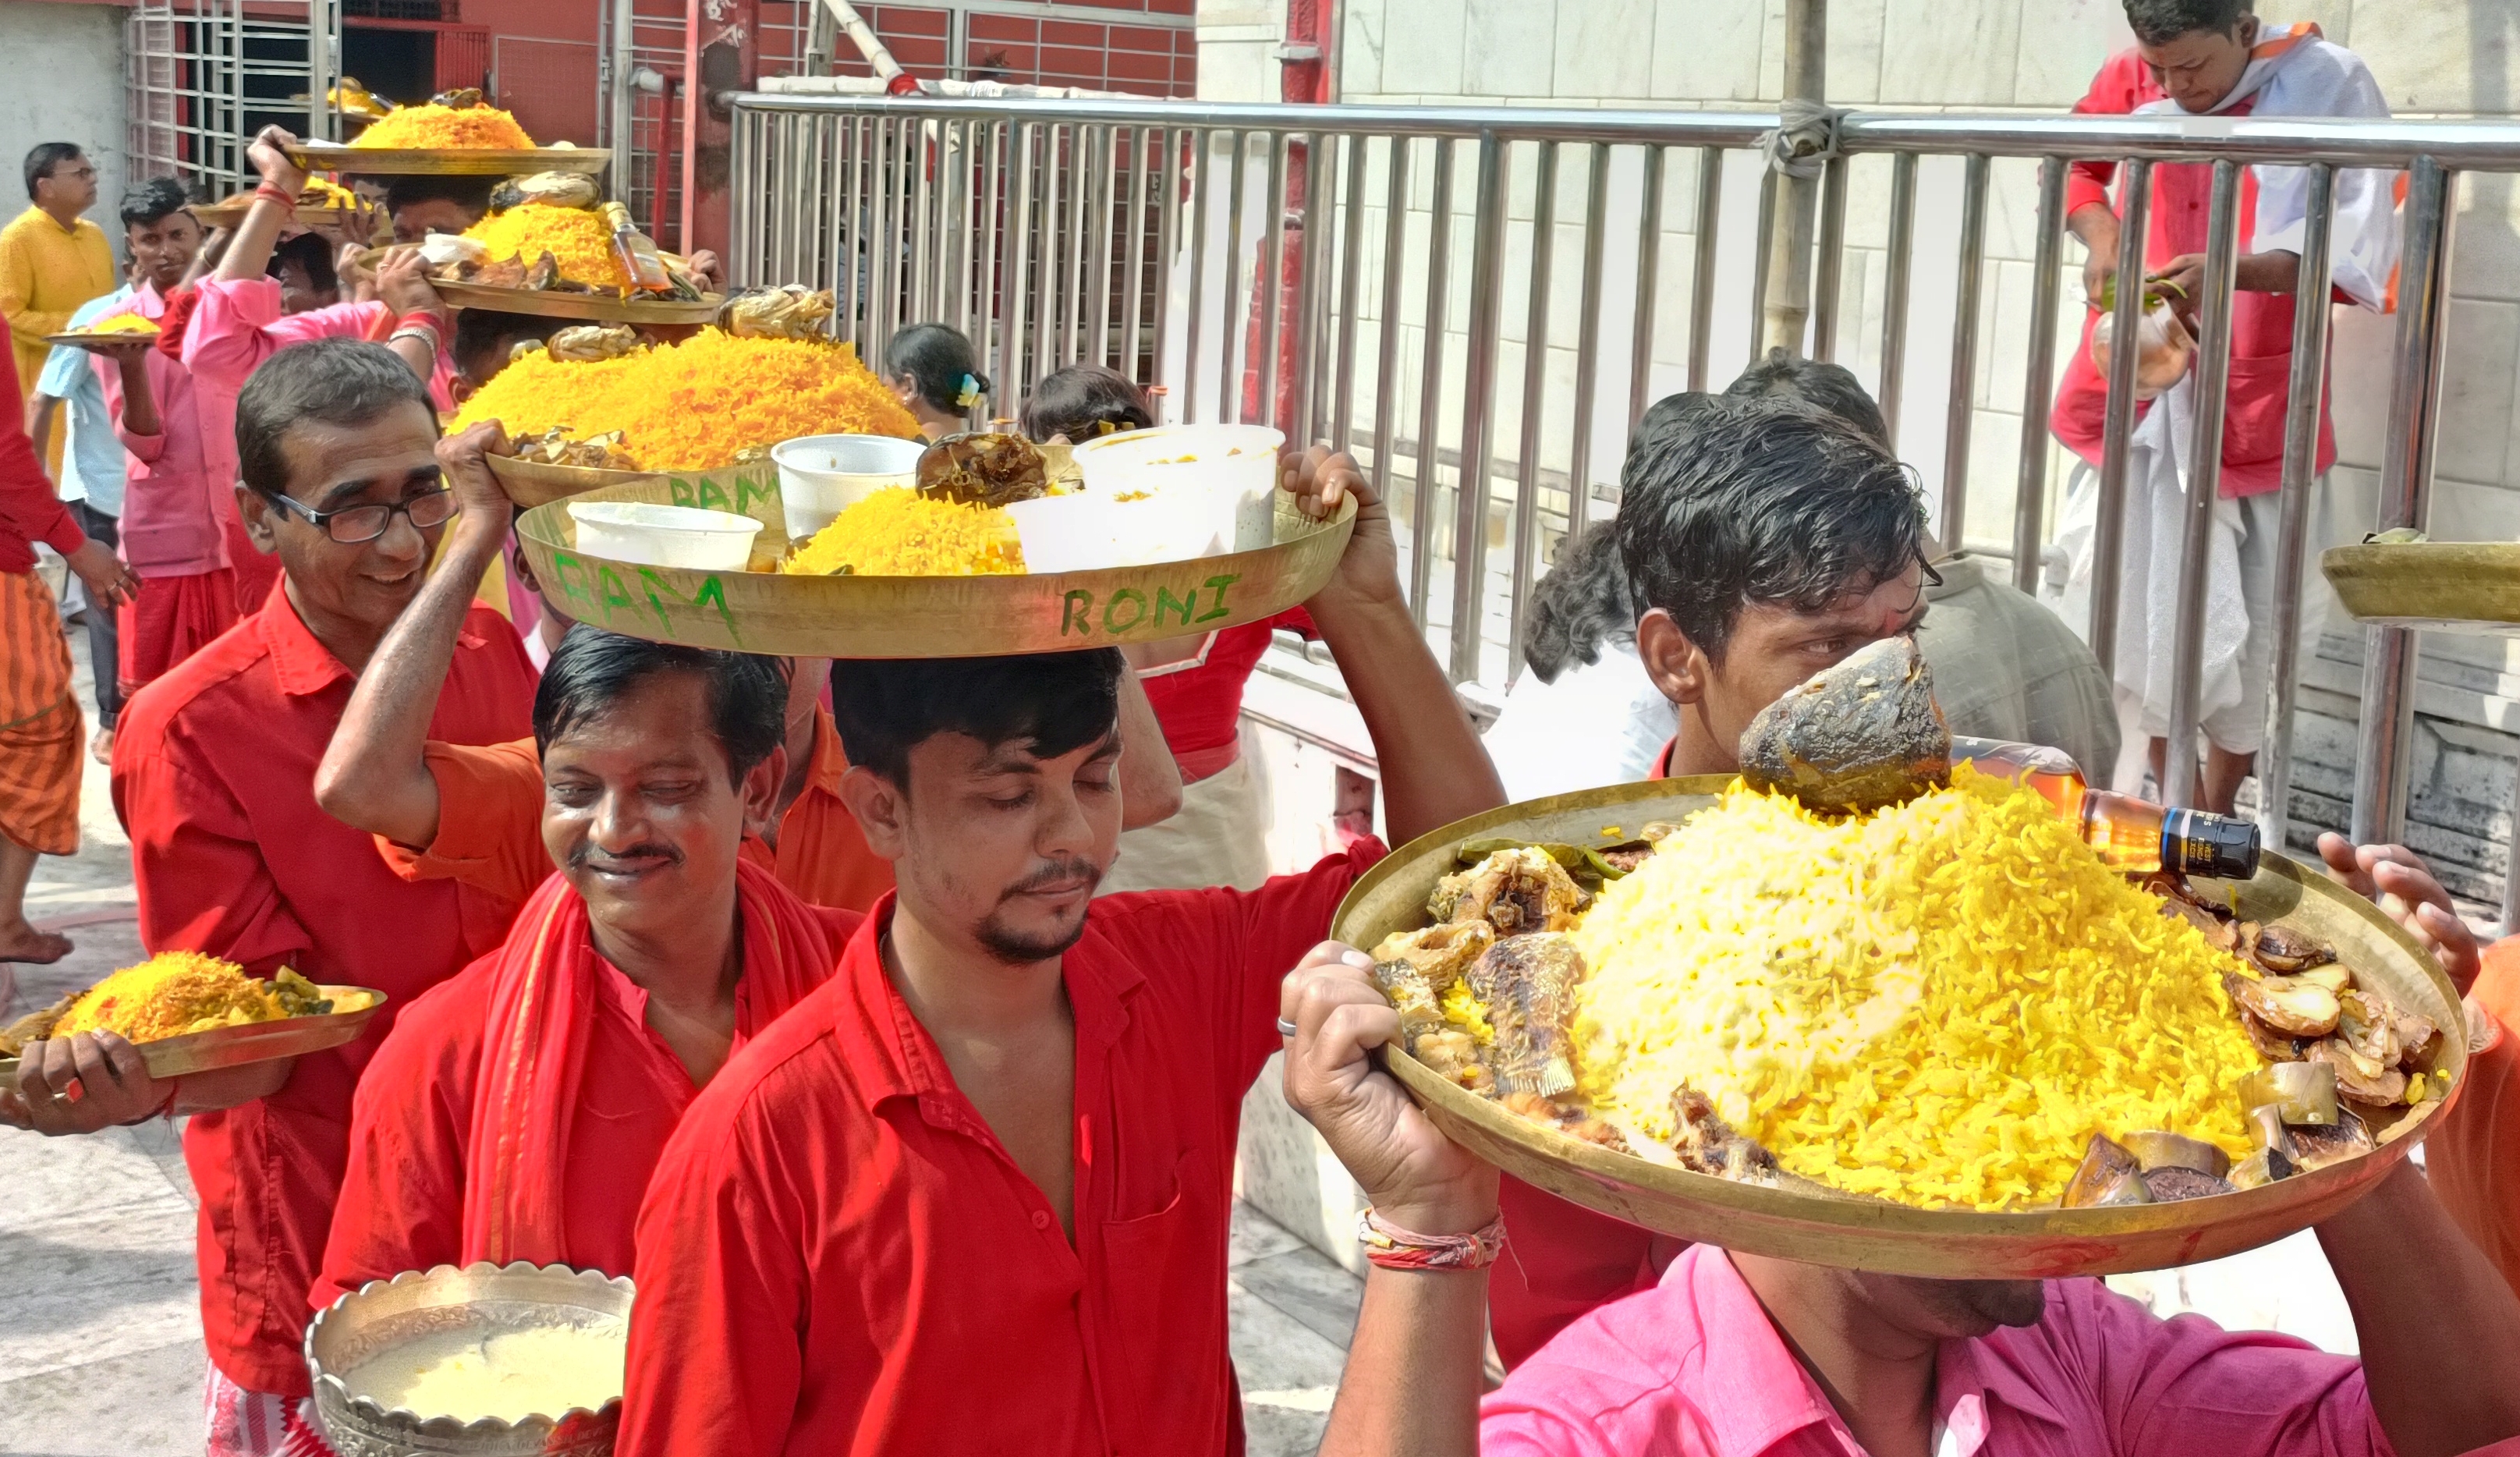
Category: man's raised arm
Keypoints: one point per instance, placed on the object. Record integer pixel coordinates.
(1433, 768)
(374, 776)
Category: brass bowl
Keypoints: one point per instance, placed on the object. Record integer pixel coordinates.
(907, 617)
(252, 1041)
(446, 161)
(2458, 586)
(1846, 1230)
(384, 1314)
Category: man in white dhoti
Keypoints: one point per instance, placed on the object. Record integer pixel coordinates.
(2214, 58)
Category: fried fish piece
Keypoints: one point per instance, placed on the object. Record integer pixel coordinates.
(1566, 1118)
(1852, 738)
(558, 188)
(1440, 953)
(1528, 984)
(982, 467)
(1515, 891)
(791, 311)
(592, 341)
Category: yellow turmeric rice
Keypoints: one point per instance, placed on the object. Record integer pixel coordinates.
(898, 532)
(175, 992)
(454, 128)
(575, 237)
(694, 405)
(1939, 1003)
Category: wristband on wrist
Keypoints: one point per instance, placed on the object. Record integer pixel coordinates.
(1397, 1248)
(427, 337)
(421, 318)
(266, 191)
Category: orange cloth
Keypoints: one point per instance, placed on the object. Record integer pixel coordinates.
(2478, 1145)
(172, 618)
(40, 727)
(490, 836)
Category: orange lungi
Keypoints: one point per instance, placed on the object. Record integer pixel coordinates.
(172, 618)
(40, 726)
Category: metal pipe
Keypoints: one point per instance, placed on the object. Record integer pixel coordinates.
(1056, 142)
(1701, 283)
(2204, 481)
(856, 254)
(1073, 246)
(619, 104)
(1229, 404)
(986, 298)
(744, 159)
(1321, 176)
(1200, 168)
(1430, 384)
(1386, 348)
(1107, 193)
(1535, 379)
(881, 300)
(1761, 255)
(1133, 287)
(2109, 533)
(1269, 282)
(1351, 278)
(1828, 280)
(1959, 411)
(1168, 173)
(1894, 293)
(2302, 408)
(1786, 252)
(1478, 410)
(1641, 341)
(1014, 285)
(1588, 338)
(923, 255)
(2406, 500)
(2030, 490)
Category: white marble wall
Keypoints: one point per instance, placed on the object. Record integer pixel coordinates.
(64, 83)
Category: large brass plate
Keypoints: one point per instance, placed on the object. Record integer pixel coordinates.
(531, 483)
(446, 161)
(552, 304)
(228, 212)
(89, 339)
(1873, 1234)
(2456, 586)
(254, 1042)
(909, 617)
(386, 1314)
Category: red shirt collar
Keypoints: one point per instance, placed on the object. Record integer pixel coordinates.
(300, 663)
(894, 1057)
(1662, 761)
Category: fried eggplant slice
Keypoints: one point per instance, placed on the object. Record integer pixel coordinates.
(2108, 1175)
(2360, 1080)
(1528, 984)
(1855, 737)
(2287, 1004)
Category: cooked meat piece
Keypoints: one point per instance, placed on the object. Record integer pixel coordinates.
(1528, 983)
(1566, 1119)
(1454, 1053)
(1855, 737)
(1708, 1145)
(1516, 891)
(1628, 858)
(982, 468)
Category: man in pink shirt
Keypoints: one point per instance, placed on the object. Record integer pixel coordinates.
(1741, 1355)
(181, 531)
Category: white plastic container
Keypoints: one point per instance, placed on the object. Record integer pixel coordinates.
(822, 476)
(1232, 467)
(1083, 532)
(682, 536)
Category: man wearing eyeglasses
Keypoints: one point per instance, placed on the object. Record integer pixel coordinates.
(52, 261)
(213, 777)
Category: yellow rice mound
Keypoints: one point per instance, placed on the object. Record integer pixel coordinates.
(898, 532)
(1939, 1003)
(575, 237)
(693, 405)
(460, 128)
(170, 995)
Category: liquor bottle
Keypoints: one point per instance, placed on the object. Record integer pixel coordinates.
(637, 252)
(2130, 835)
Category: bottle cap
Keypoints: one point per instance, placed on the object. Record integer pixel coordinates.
(2195, 842)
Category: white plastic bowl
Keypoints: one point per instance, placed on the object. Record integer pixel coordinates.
(1088, 532)
(682, 536)
(1233, 467)
(822, 476)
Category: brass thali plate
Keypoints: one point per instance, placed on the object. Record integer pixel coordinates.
(446, 161)
(1853, 1232)
(227, 212)
(254, 1042)
(91, 339)
(555, 303)
(909, 617)
(534, 482)
(2456, 586)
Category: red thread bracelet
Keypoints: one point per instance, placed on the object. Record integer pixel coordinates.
(265, 191)
(1396, 1249)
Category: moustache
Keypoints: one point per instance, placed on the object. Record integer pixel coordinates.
(1067, 869)
(581, 857)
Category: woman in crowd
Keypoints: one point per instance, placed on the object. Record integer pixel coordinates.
(1219, 837)
(932, 368)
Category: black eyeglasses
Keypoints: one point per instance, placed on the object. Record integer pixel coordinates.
(353, 524)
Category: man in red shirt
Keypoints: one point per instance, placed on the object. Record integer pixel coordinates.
(973, 1194)
(213, 776)
(516, 1110)
(39, 713)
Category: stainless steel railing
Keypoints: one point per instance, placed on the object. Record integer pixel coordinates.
(1238, 257)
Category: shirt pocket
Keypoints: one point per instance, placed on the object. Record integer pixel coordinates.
(1164, 1315)
(180, 546)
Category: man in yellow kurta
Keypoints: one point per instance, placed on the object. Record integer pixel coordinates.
(52, 261)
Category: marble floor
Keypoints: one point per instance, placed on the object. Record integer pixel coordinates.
(100, 1336)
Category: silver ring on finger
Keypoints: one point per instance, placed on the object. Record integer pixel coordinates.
(1286, 1028)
